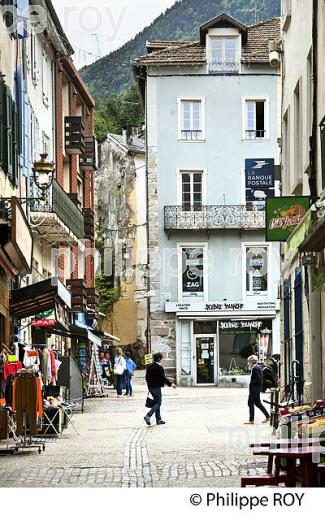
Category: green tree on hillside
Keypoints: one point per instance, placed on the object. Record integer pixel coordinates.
(117, 112)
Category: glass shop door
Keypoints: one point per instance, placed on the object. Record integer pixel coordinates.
(205, 359)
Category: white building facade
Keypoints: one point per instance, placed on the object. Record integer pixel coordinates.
(213, 121)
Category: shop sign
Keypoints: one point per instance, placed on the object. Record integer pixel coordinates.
(52, 318)
(244, 326)
(259, 178)
(44, 319)
(192, 279)
(283, 215)
(148, 359)
(20, 247)
(221, 306)
(61, 315)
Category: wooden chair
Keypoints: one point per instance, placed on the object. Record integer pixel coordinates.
(268, 479)
(321, 473)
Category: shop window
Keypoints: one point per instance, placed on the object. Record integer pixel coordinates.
(186, 349)
(256, 270)
(192, 283)
(240, 339)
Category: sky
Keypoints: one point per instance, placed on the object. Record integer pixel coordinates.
(97, 27)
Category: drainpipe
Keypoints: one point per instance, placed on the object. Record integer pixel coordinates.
(313, 139)
(148, 234)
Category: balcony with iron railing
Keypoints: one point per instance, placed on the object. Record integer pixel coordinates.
(197, 218)
(56, 218)
(223, 63)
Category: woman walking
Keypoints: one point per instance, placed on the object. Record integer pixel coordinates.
(119, 371)
(130, 368)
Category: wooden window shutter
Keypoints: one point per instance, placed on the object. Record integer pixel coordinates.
(26, 139)
(15, 141)
(3, 126)
(9, 139)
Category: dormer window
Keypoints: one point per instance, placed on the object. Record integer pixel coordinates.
(224, 54)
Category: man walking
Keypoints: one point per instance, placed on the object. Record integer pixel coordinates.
(255, 388)
(156, 379)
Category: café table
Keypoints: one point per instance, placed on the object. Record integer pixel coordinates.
(308, 457)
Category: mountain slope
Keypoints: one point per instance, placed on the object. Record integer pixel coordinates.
(112, 74)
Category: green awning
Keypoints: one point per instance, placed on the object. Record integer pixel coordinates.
(299, 234)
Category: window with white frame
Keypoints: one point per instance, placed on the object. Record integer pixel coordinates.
(255, 119)
(257, 267)
(224, 54)
(192, 275)
(191, 120)
(191, 190)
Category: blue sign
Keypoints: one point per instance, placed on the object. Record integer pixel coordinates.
(259, 179)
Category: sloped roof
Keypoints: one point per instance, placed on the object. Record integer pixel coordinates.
(259, 35)
(222, 20)
(255, 50)
(135, 145)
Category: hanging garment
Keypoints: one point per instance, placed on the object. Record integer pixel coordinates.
(27, 400)
(53, 367)
(45, 358)
(3, 425)
(9, 390)
(31, 358)
(11, 369)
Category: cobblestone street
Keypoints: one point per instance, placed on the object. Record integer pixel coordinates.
(204, 443)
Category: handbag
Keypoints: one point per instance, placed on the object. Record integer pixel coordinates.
(118, 369)
(149, 402)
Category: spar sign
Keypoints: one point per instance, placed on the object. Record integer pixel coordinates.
(283, 215)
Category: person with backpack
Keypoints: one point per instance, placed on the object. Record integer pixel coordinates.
(255, 389)
(130, 368)
(119, 371)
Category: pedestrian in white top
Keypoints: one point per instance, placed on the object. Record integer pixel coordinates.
(119, 371)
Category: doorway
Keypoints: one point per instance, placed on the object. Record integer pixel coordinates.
(205, 359)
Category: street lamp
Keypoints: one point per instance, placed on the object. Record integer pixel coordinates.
(43, 174)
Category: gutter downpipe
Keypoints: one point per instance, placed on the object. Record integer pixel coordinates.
(313, 140)
(148, 232)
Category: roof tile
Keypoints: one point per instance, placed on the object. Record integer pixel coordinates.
(256, 50)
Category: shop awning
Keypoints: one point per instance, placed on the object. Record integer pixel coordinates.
(39, 297)
(85, 334)
(109, 336)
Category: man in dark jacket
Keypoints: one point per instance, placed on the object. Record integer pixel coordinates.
(255, 388)
(156, 380)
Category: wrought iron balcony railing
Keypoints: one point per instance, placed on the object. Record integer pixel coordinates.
(218, 62)
(191, 135)
(252, 135)
(213, 217)
(58, 202)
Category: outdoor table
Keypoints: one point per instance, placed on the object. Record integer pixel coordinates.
(289, 443)
(305, 455)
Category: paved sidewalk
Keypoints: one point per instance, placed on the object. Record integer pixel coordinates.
(204, 443)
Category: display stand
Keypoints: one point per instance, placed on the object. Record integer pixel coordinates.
(26, 442)
(95, 384)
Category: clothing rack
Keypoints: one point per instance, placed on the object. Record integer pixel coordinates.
(26, 441)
